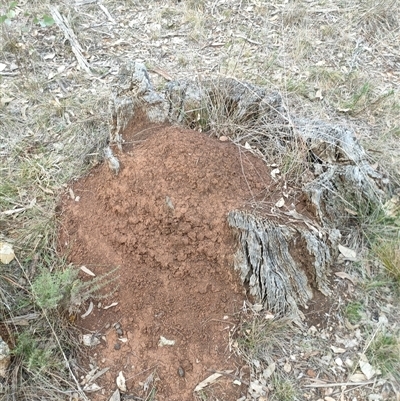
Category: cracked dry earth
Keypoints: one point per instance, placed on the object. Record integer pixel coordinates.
(162, 221)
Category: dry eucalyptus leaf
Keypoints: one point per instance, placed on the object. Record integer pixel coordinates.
(111, 305)
(121, 382)
(257, 307)
(87, 271)
(350, 211)
(148, 382)
(91, 388)
(345, 275)
(163, 341)
(367, 369)
(223, 138)
(6, 253)
(287, 367)
(274, 173)
(71, 193)
(116, 396)
(90, 340)
(89, 311)
(210, 379)
(98, 374)
(337, 350)
(349, 325)
(247, 146)
(357, 377)
(280, 202)
(267, 373)
(49, 56)
(348, 253)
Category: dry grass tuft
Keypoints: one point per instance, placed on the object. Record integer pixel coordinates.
(377, 18)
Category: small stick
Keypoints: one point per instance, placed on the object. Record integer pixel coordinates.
(248, 40)
(105, 11)
(221, 372)
(69, 34)
(322, 385)
(161, 72)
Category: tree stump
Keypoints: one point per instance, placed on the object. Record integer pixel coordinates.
(336, 174)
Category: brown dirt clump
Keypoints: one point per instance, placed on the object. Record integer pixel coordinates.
(162, 220)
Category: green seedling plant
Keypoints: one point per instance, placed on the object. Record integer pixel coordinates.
(9, 14)
(36, 357)
(63, 289)
(354, 312)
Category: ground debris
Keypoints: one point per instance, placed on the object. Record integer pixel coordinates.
(5, 358)
(210, 380)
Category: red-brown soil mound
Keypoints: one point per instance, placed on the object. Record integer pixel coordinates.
(162, 220)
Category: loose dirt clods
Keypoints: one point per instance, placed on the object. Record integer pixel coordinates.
(163, 222)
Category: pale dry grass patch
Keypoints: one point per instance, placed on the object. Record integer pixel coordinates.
(376, 17)
(47, 137)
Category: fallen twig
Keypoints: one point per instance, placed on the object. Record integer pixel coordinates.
(227, 373)
(105, 11)
(69, 34)
(322, 385)
(248, 40)
(161, 72)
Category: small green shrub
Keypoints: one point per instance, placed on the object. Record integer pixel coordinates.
(10, 13)
(353, 312)
(50, 289)
(35, 357)
(63, 289)
(44, 21)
